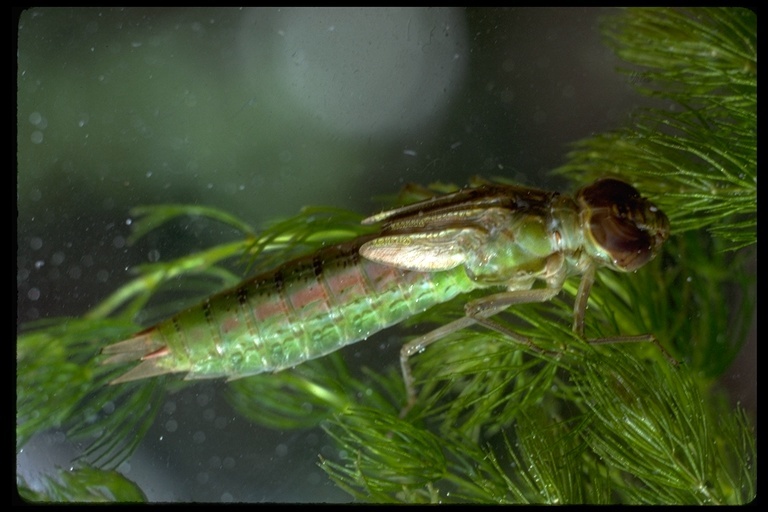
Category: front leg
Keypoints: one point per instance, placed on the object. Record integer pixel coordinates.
(579, 311)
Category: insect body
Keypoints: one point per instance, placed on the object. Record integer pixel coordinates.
(304, 309)
(492, 236)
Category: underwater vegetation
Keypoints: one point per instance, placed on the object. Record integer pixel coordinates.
(495, 421)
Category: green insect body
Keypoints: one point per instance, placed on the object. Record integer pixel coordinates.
(491, 236)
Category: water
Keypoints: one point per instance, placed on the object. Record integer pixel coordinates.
(260, 112)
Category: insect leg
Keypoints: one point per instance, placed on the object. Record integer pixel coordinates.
(582, 296)
(481, 310)
(477, 312)
(579, 310)
(491, 305)
(640, 338)
(418, 345)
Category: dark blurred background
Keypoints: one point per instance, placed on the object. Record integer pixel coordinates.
(260, 112)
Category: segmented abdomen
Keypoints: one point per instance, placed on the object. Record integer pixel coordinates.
(304, 309)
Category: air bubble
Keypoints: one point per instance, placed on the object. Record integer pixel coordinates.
(203, 399)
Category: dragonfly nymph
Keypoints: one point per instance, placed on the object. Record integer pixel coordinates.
(500, 237)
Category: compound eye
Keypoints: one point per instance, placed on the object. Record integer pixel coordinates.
(629, 246)
(625, 225)
(608, 192)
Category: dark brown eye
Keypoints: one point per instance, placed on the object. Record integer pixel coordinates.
(629, 246)
(628, 227)
(609, 192)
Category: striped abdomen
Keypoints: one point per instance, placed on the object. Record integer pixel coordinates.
(304, 309)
